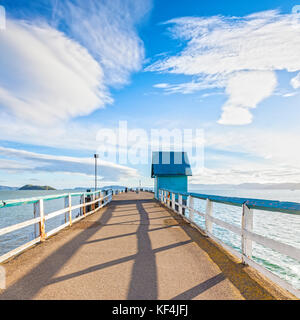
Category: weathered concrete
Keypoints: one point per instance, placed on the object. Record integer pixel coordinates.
(132, 249)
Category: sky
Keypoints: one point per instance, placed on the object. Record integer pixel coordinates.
(74, 73)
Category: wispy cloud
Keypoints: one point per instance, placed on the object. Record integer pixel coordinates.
(247, 173)
(231, 49)
(295, 82)
(108, 30)
(36, 162)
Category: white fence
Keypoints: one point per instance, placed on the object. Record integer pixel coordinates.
(95, 201)
(185, 201)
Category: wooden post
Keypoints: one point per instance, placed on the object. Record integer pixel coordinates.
(173, 201)
(191, 208)
(93, 198)
(247, 225)
(180, 204)
(42, 220)
(35, 214)
(208, 214)
(83, 202)
(66, 206)
(168, 199)
(69, 205)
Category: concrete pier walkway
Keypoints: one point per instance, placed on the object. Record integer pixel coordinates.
(132, 249)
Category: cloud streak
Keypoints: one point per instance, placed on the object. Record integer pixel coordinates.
(36, 162)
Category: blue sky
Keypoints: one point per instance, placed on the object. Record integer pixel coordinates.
(71, 68)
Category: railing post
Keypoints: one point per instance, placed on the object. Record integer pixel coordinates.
(208, 214)
(93, 198)
(247, 225)
(168, 199)
(173, 201)
(69, 205)
(42, 220)
(35, 213)
(191, 208)
(180, 204)
(83, 202)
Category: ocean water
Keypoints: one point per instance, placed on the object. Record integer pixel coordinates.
(13, 215)
(275, 225)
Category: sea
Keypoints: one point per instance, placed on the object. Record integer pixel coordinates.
(275, 225)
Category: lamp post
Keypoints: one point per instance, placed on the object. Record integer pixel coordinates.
(96, 156)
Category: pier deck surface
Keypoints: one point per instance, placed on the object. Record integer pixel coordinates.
(132, 249)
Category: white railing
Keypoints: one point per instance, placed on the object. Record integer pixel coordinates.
(96, 200)
(168, 198)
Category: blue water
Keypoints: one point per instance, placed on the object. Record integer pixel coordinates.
(13, 215)
(278, 226)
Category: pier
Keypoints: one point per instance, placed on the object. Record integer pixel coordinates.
(133, 246)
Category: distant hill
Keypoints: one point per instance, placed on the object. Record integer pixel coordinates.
(79, 189)
(113, 187)
(6, 188)
(32, 187)
(252, 186)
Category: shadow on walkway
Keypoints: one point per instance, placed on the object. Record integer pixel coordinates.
(28, 286)
(143, 284)
(248, 287)
(143, 280)
(200, 288)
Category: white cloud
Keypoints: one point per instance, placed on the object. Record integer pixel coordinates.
(36, 162)
(107, 28)
(247, 172)
(161, 85)
(45, 76)
(246, 90)
(224, 48)
(295, 82)
(290, 94)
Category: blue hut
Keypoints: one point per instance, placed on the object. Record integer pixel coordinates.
(170, 170)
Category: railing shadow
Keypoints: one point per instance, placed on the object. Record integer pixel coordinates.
(200, 288)
(29, 285)
(235, 272)
(143, 284)
(143, 281)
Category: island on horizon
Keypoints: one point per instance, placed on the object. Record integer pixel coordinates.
(33, 187)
